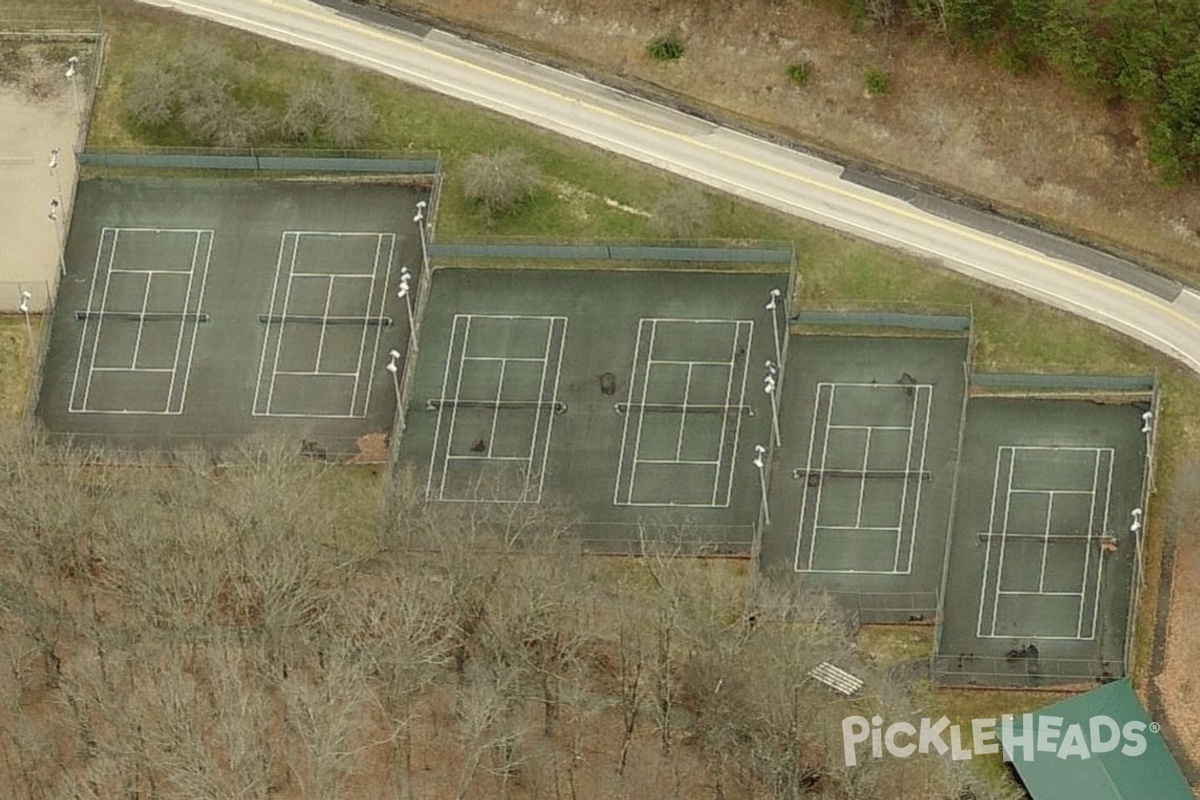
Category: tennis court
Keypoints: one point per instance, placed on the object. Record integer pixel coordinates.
(203, 310)
(1041, 557)
(627, 393)
(861, 488)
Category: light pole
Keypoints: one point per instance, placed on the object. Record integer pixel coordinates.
(25, 297)
(53, 216)
(72, 63)
(405, 294)
(775, 305)
(394, 368)
(759, 453)
(53, 164)
(420, 220)
(770, 386)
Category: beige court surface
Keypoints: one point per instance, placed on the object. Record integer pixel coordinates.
(30, 125)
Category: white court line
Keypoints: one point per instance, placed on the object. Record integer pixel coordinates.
(812, 441)
(821, 484)
(125, 271)
(862, 481)
(457, 397)
(677, 461)
(634, 459)
(1104, 527)
(508, 360)
(1087, 557)
(496, 410)
(908, 454)
(262, 362)
(637, 441)
(528, 459)
(437, 429)
(1027, 593)
(737, 429)
(725, 416)
(1050, 493)
(316, 373)
(1003, 543)
(678, 363)
(187, 299)
(387, 277)
(87, 320)
(485, 458)
(687, 395)
(131, 369)
(137, 341)
(283, 315)
(1046, 543)
(637, 349)
(537, 417)
(87, 388)
(872, 427)
(331, 282)
(890, 528)
(362, 276)
(912, 544)
(987, 552)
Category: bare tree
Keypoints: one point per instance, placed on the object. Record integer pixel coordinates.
(151, 94)
(337, 110)
(498, 182)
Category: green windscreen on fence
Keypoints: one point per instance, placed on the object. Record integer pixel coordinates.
(1108, 383)
(300, 162)
(602, 252)
(883, 319)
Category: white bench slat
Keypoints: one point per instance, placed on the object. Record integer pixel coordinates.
(836, 678)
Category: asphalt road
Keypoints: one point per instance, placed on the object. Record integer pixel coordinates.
(1077, 279)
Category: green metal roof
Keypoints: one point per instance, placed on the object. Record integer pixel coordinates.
(1066, 774)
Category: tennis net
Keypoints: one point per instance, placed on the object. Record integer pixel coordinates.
(436, 404)
(681, 408)
(318, 319)
(1099, 539)
(143, 316)
(815, 476)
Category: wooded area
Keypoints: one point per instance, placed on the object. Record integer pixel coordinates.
(207, 631)
(1128, 51)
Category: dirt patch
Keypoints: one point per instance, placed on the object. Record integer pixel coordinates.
(1025, 142)
(37, 114)
(372, 449)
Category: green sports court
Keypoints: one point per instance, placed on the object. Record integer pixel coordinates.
(636, 395)
(1044, 549)
(199, 310)
(862, 484)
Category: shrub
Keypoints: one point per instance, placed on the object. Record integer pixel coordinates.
(877, 81)
(799, 72)
(666, 47)
(498, 182)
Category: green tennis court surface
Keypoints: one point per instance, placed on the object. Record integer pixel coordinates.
(637, 396)
(861, 486)
(1042, 557)
(202, 310)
